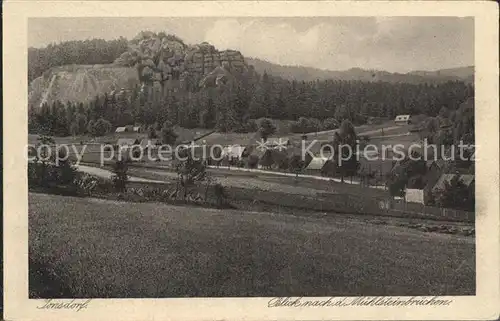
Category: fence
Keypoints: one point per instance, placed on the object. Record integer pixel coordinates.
(436, 212)
(348, 203)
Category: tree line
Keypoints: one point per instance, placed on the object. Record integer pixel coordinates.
(81, 52)
(316, 105)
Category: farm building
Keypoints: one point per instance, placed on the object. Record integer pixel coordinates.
(317, 163)
(128, 129)
(289, 158)
(434, 182)
(150, 143)
(415, 195)
(233, 151)
(197, 152)
(127, 142)
(402, 119)
(278, 141)
(468, 180)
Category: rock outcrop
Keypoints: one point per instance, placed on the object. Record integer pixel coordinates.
(161, 57)
(153, 60)
(80, 83)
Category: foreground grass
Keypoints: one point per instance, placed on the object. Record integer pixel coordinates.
(99, 248)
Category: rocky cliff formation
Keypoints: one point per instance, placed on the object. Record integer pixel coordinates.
(163, 58)
(79, 83)
(153, 60)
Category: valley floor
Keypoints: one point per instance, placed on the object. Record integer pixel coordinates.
(84, 247)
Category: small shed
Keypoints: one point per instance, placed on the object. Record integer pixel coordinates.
(414, 195)
(402, 119)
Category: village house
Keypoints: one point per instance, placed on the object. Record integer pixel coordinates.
(128, 129)
(278, 141)
(467, 180)
(120, 129)
(402, 119)
(150, 143)
(124, 142)
(317, 163)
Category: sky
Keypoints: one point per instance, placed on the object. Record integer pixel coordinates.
(395, 44)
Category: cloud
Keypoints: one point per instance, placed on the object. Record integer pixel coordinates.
(394, 44)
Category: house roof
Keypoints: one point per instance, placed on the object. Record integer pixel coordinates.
(402, 118)
(127, 141)
(233, 151)
(150, 142)
(441, 163)
(317, 163)
(465, 178)
(277, 140)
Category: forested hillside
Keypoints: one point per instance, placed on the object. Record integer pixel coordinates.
(223, 97)
(300, 73)
(86, 52)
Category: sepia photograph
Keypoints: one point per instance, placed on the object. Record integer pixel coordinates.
(315, 161)
(206, 157)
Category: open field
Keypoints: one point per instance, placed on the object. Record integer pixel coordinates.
(266, 181)
(97, 248)
(186, 135)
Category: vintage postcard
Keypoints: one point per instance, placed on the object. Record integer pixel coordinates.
(213, 160)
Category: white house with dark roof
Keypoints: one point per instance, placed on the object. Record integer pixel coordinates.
(402, 119)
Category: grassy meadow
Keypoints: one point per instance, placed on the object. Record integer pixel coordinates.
(93, 248)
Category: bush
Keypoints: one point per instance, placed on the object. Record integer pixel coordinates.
(88, 185)
(252, 161)
(455, 194)
(120, 177)
(329, 124)
(305, 125)
(100, 128)
(220, 194)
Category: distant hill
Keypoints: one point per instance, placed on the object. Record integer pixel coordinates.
(302, 73)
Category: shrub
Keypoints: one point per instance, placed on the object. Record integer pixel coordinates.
(120, 177)
(220, 194)
(455, 194)
(329, 124)
(266, 128)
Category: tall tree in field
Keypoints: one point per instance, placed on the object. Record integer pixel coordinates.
(152, 132)
(349, 163)
(168, 135)
(81, 123)
(101, 127)
(266, 128)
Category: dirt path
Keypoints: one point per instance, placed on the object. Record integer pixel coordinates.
(104, 173)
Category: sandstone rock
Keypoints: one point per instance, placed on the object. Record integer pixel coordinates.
(151, 57)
